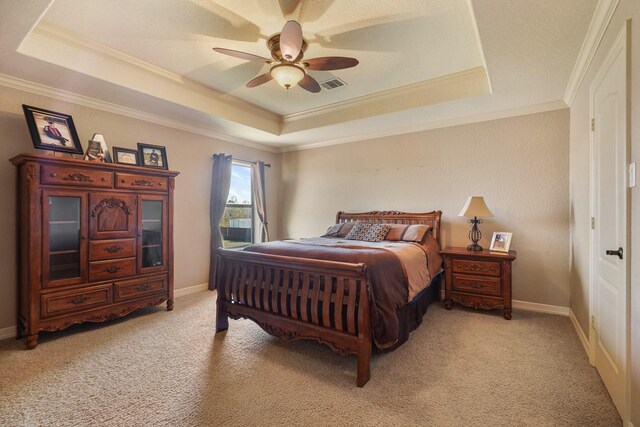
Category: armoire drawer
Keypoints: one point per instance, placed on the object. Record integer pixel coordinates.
(141, 182)
(67, 302)
(108, 249)
(136, 288)
(111, 269)
(76, 176)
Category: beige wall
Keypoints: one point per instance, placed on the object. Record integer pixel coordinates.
(187, 153)
(580, 191)
(520, 165)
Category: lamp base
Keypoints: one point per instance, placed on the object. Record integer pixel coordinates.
(474, 247)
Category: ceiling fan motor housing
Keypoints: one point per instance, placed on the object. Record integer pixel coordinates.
(274, 46)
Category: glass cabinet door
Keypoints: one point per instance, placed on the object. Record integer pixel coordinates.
(65, 238)
(152, 234)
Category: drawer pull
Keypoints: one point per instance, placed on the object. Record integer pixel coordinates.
(477, 267)
(113, 269)
(113, 249)
(143, 287)
(79, 300)
(477, 285)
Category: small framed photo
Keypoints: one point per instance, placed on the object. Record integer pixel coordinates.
(52, 131)
(500, 241)
(153, 156)
(103, 144)
(125, 156)
(94, 152)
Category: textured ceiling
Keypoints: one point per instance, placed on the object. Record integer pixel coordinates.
(421, 61)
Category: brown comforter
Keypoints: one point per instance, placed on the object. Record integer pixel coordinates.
(388, 279)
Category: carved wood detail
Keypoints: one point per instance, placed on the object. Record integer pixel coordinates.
(76, 177)
(142, 183)
(292, 335)
(32, 171)
(172, 183)
(112, 203)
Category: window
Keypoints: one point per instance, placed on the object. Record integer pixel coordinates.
(237, 222)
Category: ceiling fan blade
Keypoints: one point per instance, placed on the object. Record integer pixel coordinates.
(262, 78)
(241, 55)
(309, 83)
(330, 63)
(289, 7)
(291, 40)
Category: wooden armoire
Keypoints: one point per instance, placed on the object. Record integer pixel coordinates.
(95, 241)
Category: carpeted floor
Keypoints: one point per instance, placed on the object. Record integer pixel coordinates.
(158, 368)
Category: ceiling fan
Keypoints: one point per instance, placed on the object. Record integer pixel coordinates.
(289, 68)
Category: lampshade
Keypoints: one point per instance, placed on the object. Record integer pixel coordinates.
(287, 75)
(474, 207)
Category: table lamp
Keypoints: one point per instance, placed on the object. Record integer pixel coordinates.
(475, 207)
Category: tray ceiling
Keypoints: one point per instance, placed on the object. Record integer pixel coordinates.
(420, 60)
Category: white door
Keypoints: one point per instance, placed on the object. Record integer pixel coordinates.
(609, 252)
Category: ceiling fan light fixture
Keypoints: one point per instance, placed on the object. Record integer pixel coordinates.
(287, 75)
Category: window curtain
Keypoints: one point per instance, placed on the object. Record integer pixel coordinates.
(257, 182)
(220, 182)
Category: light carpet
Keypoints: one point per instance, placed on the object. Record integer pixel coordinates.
(159, 368)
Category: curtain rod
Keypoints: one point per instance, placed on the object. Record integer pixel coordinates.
(246, 161)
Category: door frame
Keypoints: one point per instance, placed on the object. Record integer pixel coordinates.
(621, 44)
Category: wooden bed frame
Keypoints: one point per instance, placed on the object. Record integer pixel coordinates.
(270, 289)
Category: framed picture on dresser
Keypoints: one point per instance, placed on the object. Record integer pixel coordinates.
(125, 156)
(152, 156)
(52, 131)
(500, 241)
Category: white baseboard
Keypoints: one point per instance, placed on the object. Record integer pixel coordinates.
(583, 338)
(540, 308)
(9, 332)
(177, 293)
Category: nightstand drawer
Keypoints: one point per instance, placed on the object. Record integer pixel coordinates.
(476, 267)
(477, 284)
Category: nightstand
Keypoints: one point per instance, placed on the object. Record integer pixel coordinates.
(478, 279)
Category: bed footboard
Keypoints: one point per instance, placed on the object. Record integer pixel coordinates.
(294, 298)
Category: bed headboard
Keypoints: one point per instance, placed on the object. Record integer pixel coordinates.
(394, 217)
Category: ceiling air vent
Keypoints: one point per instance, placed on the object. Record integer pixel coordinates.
(333, 83)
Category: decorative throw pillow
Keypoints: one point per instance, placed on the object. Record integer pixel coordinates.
(407, 233)
(333, 231)
(415, 233)
(346, 228)
(368, 232)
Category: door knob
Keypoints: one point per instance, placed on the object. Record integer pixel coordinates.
(618, 252)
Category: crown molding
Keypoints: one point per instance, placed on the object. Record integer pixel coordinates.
(458, 121)
(597, 28)
(66, 49)
(39, 89)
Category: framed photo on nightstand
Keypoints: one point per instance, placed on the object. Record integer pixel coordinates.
(500, 242)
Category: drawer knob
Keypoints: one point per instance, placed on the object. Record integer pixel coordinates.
(79, 300)
(143, 287)
(113, 269)
(477, 285)
(114, 249)
(53, 174)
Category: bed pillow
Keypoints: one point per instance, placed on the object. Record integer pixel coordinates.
(407, 233)
(368, 232)
(333, 231)
(339, 230)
